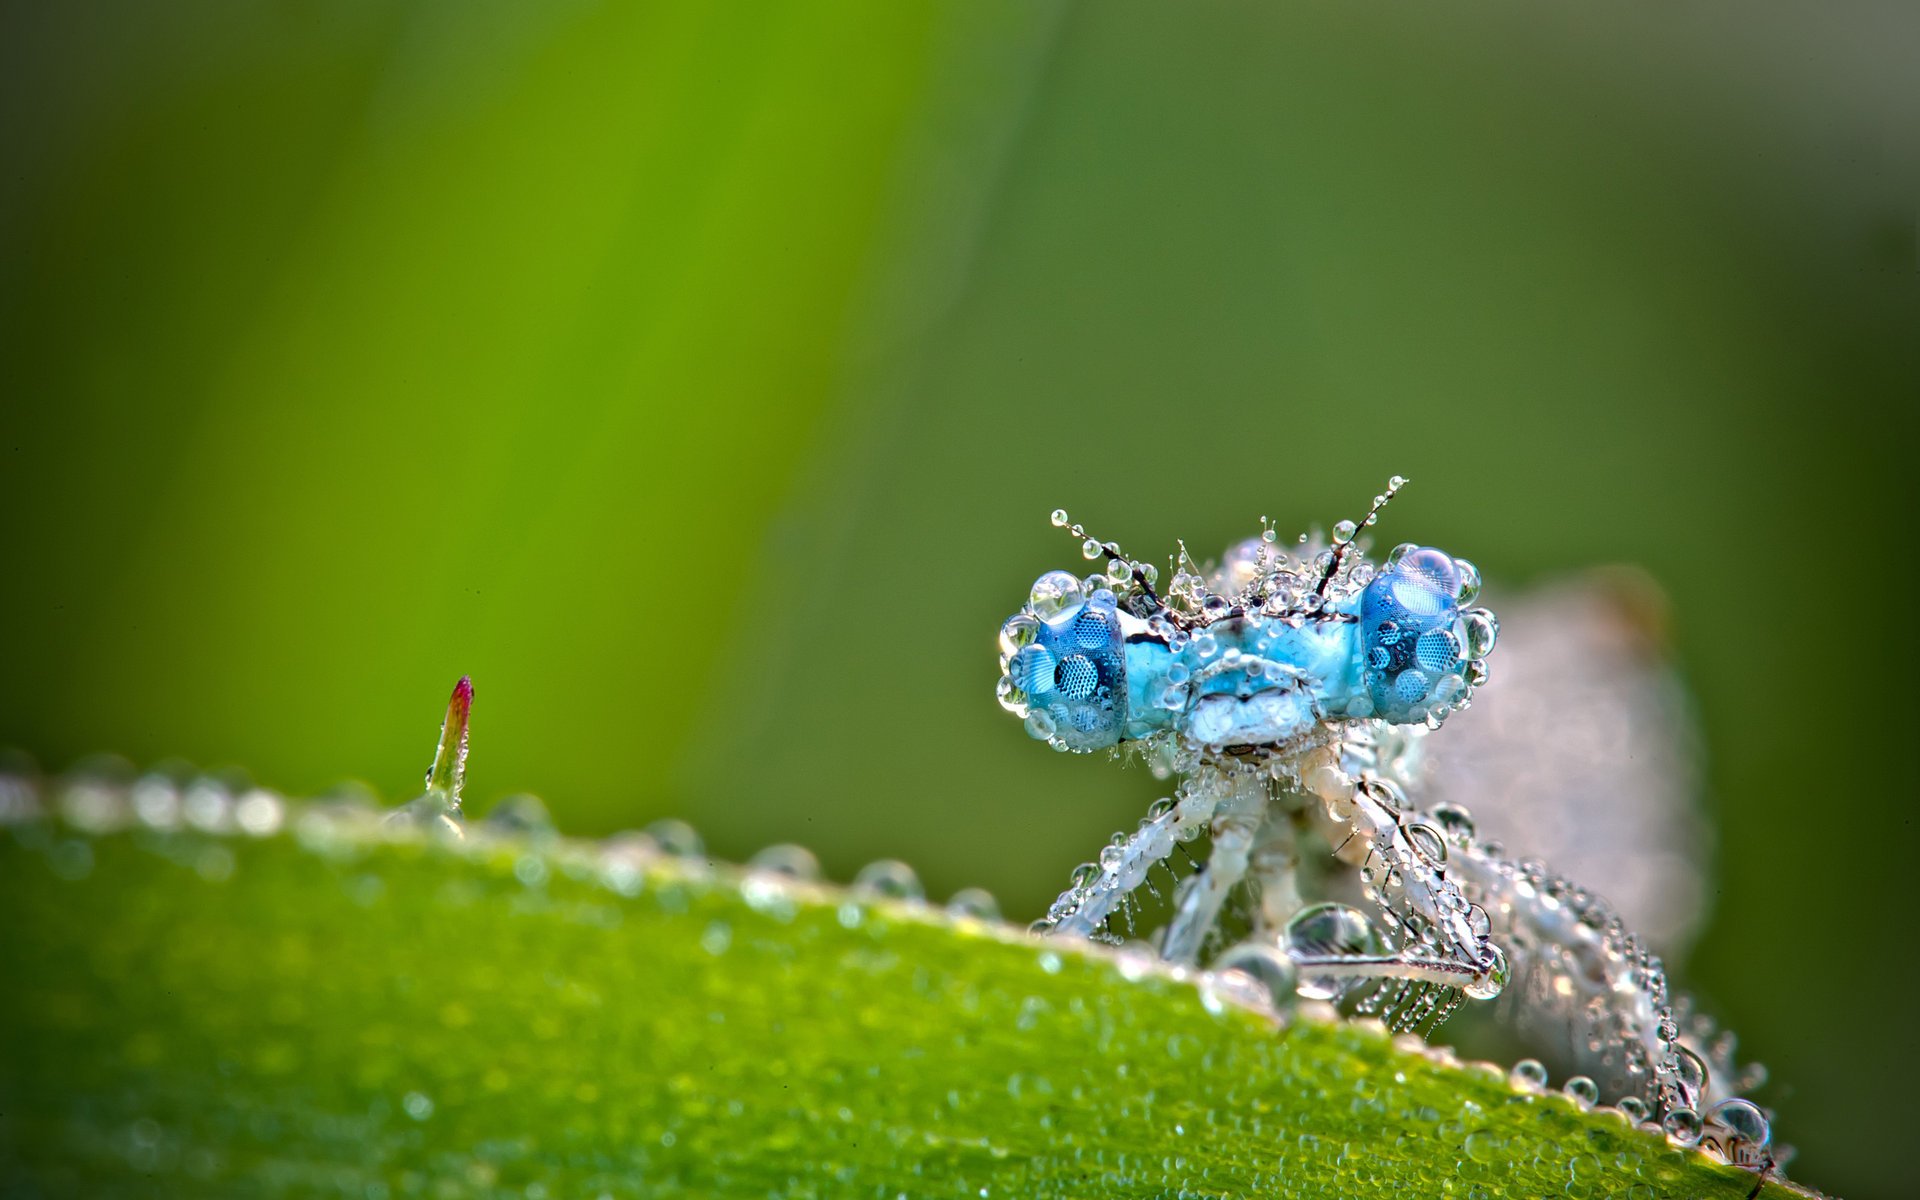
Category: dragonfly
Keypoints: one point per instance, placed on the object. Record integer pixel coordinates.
(1291, 690)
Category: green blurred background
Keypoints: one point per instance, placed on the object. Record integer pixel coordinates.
(699, 378)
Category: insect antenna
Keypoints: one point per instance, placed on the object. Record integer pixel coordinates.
(1112, 551)
(1342, 545)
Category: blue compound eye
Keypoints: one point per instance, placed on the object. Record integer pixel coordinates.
(1413, 637)
(1077, 677)
(1074, 674)
(1032, 669)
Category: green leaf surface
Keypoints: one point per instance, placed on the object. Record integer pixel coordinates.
(346, 1008)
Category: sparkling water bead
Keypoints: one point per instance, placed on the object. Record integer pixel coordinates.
(1054, 593)
(974, 902)
(1265, 965)
(1018, 631)
(1582, 1089)
(1032, 670)
(792, 861)
(1743, 1120)
(1454, 823)
(1481, 630)
(1528, 1072)
(1682, 1125)
(888, 878)
(1328, 931)
(1493, 980)
(1469, 589)
(676, 838)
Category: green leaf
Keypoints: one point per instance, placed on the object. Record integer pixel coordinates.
(333, 1005)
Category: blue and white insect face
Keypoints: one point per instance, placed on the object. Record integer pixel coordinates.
(1262, 653)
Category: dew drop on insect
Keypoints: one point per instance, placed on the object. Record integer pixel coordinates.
(795, 862)
(1582, 1089)
(1266, 966)
(1041, 726)
(1091, 549)
(1343, 531)
(1744, 1120)
(1690, 1070)
(888, 878)
(1682, 1125)
(1054, 593)
(676, 838)
(1528, 1073)
(1060, 518)
(974, 902)
(1328, 930)
(1454, 822)
(1395, 484)
(1468, 589)
(1428, 841)
(1019, 630)
(1494, 981)
(1399, 552)
(1482, 630)
(1634, 1107)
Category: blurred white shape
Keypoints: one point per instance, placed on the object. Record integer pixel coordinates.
(1583, 751)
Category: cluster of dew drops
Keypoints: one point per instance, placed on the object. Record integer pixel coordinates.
(105, 795)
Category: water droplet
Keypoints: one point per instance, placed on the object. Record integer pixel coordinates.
(974, 902)
(1481, 629)
(260, 813)
(1060, 518)
(1682, 1125)
(1635, 1108)
(1744, 1120)
(888, 878)
(1054, 593)
(1343, 531)
(1528, 1073)
(792, 861)
(1019, 630)
(1690, 1072)
(1469, 586)
(417, 1105)
(1428, 841)
(1091, 549)
(1454, 822)
(1492, 982)
(522, 813)
(1329, 930)
(1399, 552)
(1484, 1145)
(1272, 970)
(676, 838)
(1581, 1089)
(208, 808)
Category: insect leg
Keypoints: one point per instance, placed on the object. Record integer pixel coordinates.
(1197, 903)
(1098, 890)
(1586, 986)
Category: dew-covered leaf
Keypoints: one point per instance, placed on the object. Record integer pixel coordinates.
(309, 1001)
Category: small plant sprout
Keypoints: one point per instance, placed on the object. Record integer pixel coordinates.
(438, 808)
(1287, 689)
